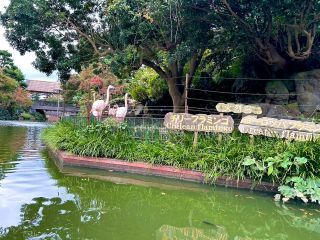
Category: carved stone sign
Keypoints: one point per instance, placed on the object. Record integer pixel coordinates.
(280, 128)
(199, 123)
(238, 108)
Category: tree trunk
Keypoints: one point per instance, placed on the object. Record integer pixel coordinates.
(269, 54)
(173, 75)
(277, 61)
(178, 98)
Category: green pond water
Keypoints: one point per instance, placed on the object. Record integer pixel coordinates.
(39, 201)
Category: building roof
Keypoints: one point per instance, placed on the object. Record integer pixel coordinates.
(40, 86)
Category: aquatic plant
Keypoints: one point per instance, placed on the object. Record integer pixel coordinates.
(304, 189)
(295, 174)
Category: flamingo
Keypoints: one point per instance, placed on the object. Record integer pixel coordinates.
(99, 105)
(113, 110)
(122, 111)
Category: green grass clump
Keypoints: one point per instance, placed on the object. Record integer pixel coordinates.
(268, 159)
(26, 116)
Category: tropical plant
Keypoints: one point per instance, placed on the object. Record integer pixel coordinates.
(278, 168)
(301, 188)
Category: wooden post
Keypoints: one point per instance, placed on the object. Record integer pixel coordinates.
(251, 139)
(195, 140)
(186, 109)
(220, 135)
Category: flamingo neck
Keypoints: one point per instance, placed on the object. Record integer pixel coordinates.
(126, 101)
(108, 97)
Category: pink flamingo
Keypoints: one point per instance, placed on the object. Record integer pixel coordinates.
(113, 110)
(122, 111)
(99, 105)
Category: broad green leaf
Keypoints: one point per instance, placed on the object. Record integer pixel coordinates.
(270, 170)
(286, 164)
(248, 161)
(301, 160)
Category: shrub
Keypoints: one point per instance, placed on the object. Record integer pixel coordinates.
(10, 114)
(26, 116)
(5, 114)
(272, 160)
(147, 85)
(39, 117)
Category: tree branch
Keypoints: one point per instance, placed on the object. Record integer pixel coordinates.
(236, 16)
(300, 28)
(306, 10)
(155, 67)
(263, 59)
(89, 39)
(152, 55)
(194, 63)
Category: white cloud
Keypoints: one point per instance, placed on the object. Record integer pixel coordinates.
(23, 62)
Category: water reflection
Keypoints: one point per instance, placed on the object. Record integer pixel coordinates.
(46, 219)
(39, 202)
(11, 140)
(231, 214)
(22, 172)
(189, 233)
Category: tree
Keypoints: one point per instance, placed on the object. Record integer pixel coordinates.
(7, 87)
(61, 33)
(167, 36)
(11, 94)
(9, 68)
(6, 59)
(281, 34)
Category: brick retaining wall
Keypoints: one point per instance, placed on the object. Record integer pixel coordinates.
(66, 159)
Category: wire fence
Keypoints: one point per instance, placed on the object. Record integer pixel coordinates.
(149, 128)
(147, 123)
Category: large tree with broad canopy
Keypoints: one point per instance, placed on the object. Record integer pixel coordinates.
(169, 36)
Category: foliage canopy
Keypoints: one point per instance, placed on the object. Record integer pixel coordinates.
(171, 37)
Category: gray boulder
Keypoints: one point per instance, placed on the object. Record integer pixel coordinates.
(280, 111)
(277, 92)
(285, 111)
(308, 90)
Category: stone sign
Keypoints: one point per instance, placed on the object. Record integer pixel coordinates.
(238, 108)
(199, 123)
(280, 128)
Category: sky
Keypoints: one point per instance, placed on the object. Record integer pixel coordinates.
(23, 62)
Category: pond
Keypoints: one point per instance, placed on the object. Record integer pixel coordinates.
(40, 201)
